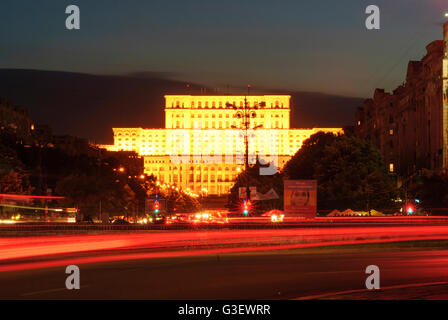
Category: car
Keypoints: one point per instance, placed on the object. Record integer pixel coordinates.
(275, 215)
(157, 219)
(87, 220)
(176, 219)
(120, 221)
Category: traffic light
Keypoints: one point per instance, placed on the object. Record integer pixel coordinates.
(156, 204)
(246, 207)
(156, 207)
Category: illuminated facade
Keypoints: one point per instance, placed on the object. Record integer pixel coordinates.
(410, 124)
(202, 148)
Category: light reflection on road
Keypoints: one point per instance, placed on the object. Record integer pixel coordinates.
(17, 253)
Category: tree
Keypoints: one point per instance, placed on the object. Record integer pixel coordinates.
(177, 201)
(15, 182)
(350, 172)
(263, 185)
(88, 192)
(431, 188)
(13, 178)
(302, 164)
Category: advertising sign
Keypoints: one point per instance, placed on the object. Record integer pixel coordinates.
(300, 198)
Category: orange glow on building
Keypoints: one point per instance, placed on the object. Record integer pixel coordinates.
(205, 127)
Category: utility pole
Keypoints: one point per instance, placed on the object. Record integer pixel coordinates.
(245, 113)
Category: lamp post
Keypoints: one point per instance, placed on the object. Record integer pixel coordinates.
(246, 113)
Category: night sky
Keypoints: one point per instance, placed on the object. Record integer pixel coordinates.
(319, 46)
(128, 54)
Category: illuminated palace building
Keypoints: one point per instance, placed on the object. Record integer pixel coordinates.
(202, 145)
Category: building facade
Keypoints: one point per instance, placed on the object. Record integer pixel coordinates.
(202, 145)
(410, 125)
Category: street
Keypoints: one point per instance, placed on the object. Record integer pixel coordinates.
(288, 263)
(267, 275)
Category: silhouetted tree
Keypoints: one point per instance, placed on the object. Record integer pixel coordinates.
(350, 172)
(431, 188)
(263, 183)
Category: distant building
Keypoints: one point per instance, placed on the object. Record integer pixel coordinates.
(410, 125)
(200, 127)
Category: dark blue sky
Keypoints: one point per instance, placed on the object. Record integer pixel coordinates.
(295, 45)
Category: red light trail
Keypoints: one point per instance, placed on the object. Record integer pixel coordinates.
(22, 196)
(14, 252)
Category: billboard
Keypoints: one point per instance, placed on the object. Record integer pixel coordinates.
(300, 198)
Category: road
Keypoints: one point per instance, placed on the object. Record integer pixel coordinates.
(221, 264)
(271, 275)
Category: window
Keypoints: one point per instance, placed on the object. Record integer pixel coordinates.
(391, 167)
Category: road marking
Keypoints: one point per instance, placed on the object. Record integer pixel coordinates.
(402, 286)
(46, 291)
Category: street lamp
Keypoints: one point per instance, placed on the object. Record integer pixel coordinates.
(246, 113)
